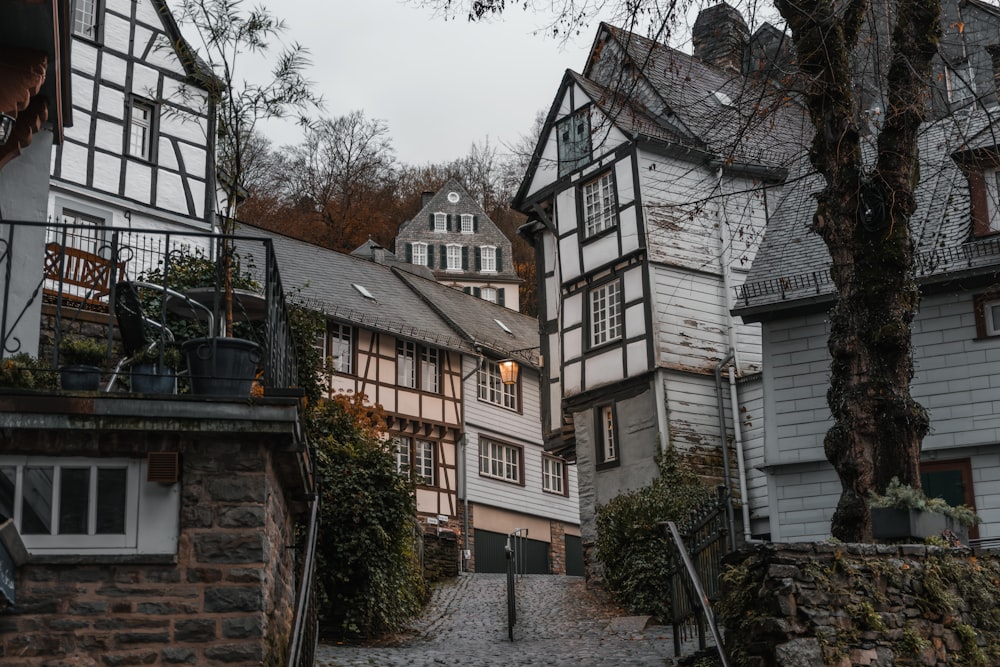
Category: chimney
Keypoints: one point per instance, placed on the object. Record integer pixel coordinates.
(721, 37)
(425, 198)
(994, 51)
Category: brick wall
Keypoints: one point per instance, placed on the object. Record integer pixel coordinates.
(557, 548)
(226, 598)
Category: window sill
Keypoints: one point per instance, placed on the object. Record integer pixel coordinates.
(561, 494)
(103, 559)
(600, 235)
(500, 479)
(605, 465)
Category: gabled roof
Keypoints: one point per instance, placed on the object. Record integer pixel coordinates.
(791, 268)
(388, 299)
(650, 91)
(196, 68)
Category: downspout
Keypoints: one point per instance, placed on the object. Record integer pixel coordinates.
(740, 461)
(660, 392)
(723, 436)
(725, 254)
(463, 485)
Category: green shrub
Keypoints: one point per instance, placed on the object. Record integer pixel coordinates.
(634, 550)
(368, 576)
(904, 497)
(24, 371)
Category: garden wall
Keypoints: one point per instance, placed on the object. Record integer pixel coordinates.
(850, 605)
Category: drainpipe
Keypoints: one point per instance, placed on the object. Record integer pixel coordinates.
(730, 519)
(740, 462)
(660, 392)
(462, 471)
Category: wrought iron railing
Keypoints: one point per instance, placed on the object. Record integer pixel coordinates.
(695, 570)
(61, 279)
(964, 257)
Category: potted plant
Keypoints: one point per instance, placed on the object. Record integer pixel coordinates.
(82, 359)
(905, 513)
(23, 371)
(154, 370)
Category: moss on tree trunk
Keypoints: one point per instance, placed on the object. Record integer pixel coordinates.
(863, 217)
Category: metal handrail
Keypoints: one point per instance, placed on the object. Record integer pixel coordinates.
(516, 555)
(695, 582)
(302, 647)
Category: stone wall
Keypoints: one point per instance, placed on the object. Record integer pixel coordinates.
(557, 548)
(226, 597)
(441, 557)
(856, 605)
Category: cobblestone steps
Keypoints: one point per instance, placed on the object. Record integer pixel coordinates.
(559, 623)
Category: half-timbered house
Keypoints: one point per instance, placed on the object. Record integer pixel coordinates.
(646, 199)
(453, 237)
(141, 152)
(430, 355)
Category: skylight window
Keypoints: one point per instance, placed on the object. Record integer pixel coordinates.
(363, 291)
(503, 326)
(723, 99)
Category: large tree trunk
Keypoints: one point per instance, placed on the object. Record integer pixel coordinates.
(863, 218)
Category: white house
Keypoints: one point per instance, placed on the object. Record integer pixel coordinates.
(646, 198)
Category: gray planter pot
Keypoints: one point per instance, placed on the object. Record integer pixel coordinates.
(80, 378)
(896, 525)
(152, 379)
(221, 366)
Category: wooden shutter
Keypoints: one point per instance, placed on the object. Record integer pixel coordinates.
(430, 256)
(465, 258)
(447, 222)
(409, 253)
(475, 223)
(979, 205)
(479, 258)
(500, 299)
(478, 292)
(498, 259)
(431, 216)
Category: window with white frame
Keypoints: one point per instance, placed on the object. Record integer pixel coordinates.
(419, 253)
(88, 236)
(467, 223)
(418, 367)
(488, 293)
(140, 130)
(341, 347)
(440, 222)
(607, 440)
(599, 205)
(553, 475)
(423, 462)
(606, 313)
(961, 83)
(454, 257)
(77, 505)
(987, 314)
(404, 459)
(488, 258)
(430, 370)
(573, 141)
(85, 14)
(493, 390)
(500, 460)
(406, 364)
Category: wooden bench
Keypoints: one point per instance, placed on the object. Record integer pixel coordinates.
(85, 276)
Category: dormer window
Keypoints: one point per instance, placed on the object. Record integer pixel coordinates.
(961, 84)
(573, 141)
(984, 188)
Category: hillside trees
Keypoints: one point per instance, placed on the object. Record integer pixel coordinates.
(862, 211)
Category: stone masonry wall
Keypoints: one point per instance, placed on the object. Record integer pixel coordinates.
(854, 605)
(557, 548)
(225, 599)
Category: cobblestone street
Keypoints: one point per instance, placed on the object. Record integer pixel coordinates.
(559, 623)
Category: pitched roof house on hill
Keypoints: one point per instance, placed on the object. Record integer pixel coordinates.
(430, 355)
(453, 236)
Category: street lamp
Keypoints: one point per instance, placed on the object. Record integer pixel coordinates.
(508, 371)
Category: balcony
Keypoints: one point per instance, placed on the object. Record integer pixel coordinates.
(66, 282)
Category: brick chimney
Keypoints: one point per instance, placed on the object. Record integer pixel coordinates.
(721, 37)
(425, 198)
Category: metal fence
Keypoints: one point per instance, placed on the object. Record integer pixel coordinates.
(57, 278)
(695, 570)
(305, 631)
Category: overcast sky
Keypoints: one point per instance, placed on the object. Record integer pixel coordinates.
(439, 85)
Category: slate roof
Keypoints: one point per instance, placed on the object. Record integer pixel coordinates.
(792, 265)
(324, 279)
(725, 113)
(418, 229)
